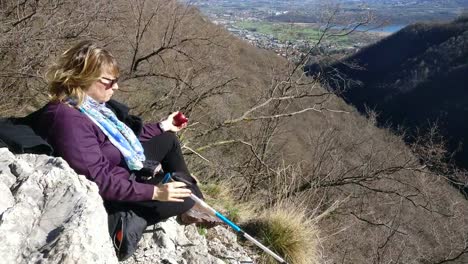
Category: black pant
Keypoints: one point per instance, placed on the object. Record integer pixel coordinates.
(164, 148)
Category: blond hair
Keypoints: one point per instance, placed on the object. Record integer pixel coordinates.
(77, 69)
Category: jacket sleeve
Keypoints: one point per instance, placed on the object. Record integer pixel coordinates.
(77, 142)
(149, 131)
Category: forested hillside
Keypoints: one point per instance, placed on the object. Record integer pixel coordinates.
(258, 126)
(415, 79)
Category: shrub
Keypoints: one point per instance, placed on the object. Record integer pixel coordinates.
(287, 231)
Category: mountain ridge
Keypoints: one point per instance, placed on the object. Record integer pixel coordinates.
(412, 79)
(269, 135)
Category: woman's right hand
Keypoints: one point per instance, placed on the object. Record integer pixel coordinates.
(168, 124)
(171, 192)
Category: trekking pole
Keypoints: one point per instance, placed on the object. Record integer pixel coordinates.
(213, 212)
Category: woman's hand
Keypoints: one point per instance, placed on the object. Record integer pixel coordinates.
(168, 124)
(171, 192)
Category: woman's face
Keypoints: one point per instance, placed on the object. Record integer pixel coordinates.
(103, 89)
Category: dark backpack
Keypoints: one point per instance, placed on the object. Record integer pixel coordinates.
(19, 137)
(126, 229)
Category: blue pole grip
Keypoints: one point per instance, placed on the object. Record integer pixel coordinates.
(227, 221)
(167, 177)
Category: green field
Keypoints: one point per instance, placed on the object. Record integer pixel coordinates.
(287, 32)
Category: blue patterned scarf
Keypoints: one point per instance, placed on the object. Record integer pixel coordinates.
(119, 134)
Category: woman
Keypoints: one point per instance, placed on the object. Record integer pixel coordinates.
(88, 135)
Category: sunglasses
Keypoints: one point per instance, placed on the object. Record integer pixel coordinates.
(108, 83)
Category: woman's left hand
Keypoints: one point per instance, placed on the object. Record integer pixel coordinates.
(168, 125)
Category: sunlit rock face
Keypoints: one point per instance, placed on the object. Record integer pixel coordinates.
(169, 242)
(49, 214)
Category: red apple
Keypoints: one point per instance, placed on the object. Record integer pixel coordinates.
(179, 119)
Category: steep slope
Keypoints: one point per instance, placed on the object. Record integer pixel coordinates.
(413, 79)
(271, 135)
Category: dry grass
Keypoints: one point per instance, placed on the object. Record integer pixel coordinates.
(396, 209)
(288, 231)
(220, 197)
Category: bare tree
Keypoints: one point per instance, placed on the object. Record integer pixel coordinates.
(257, 122)
(32, 32)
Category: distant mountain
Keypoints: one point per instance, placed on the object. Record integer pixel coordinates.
(366, 192)
(413, 78)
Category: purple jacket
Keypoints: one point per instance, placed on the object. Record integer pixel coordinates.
(88, 151)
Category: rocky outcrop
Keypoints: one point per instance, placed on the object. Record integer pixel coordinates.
(170, 243)
(49, 214)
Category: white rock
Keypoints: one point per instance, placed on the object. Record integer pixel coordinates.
(6, 197)
(49, 214)
(6, 157)
(174, 243)
(56, 215)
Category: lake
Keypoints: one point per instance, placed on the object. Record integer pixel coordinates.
(372, 28)
(386, 29)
